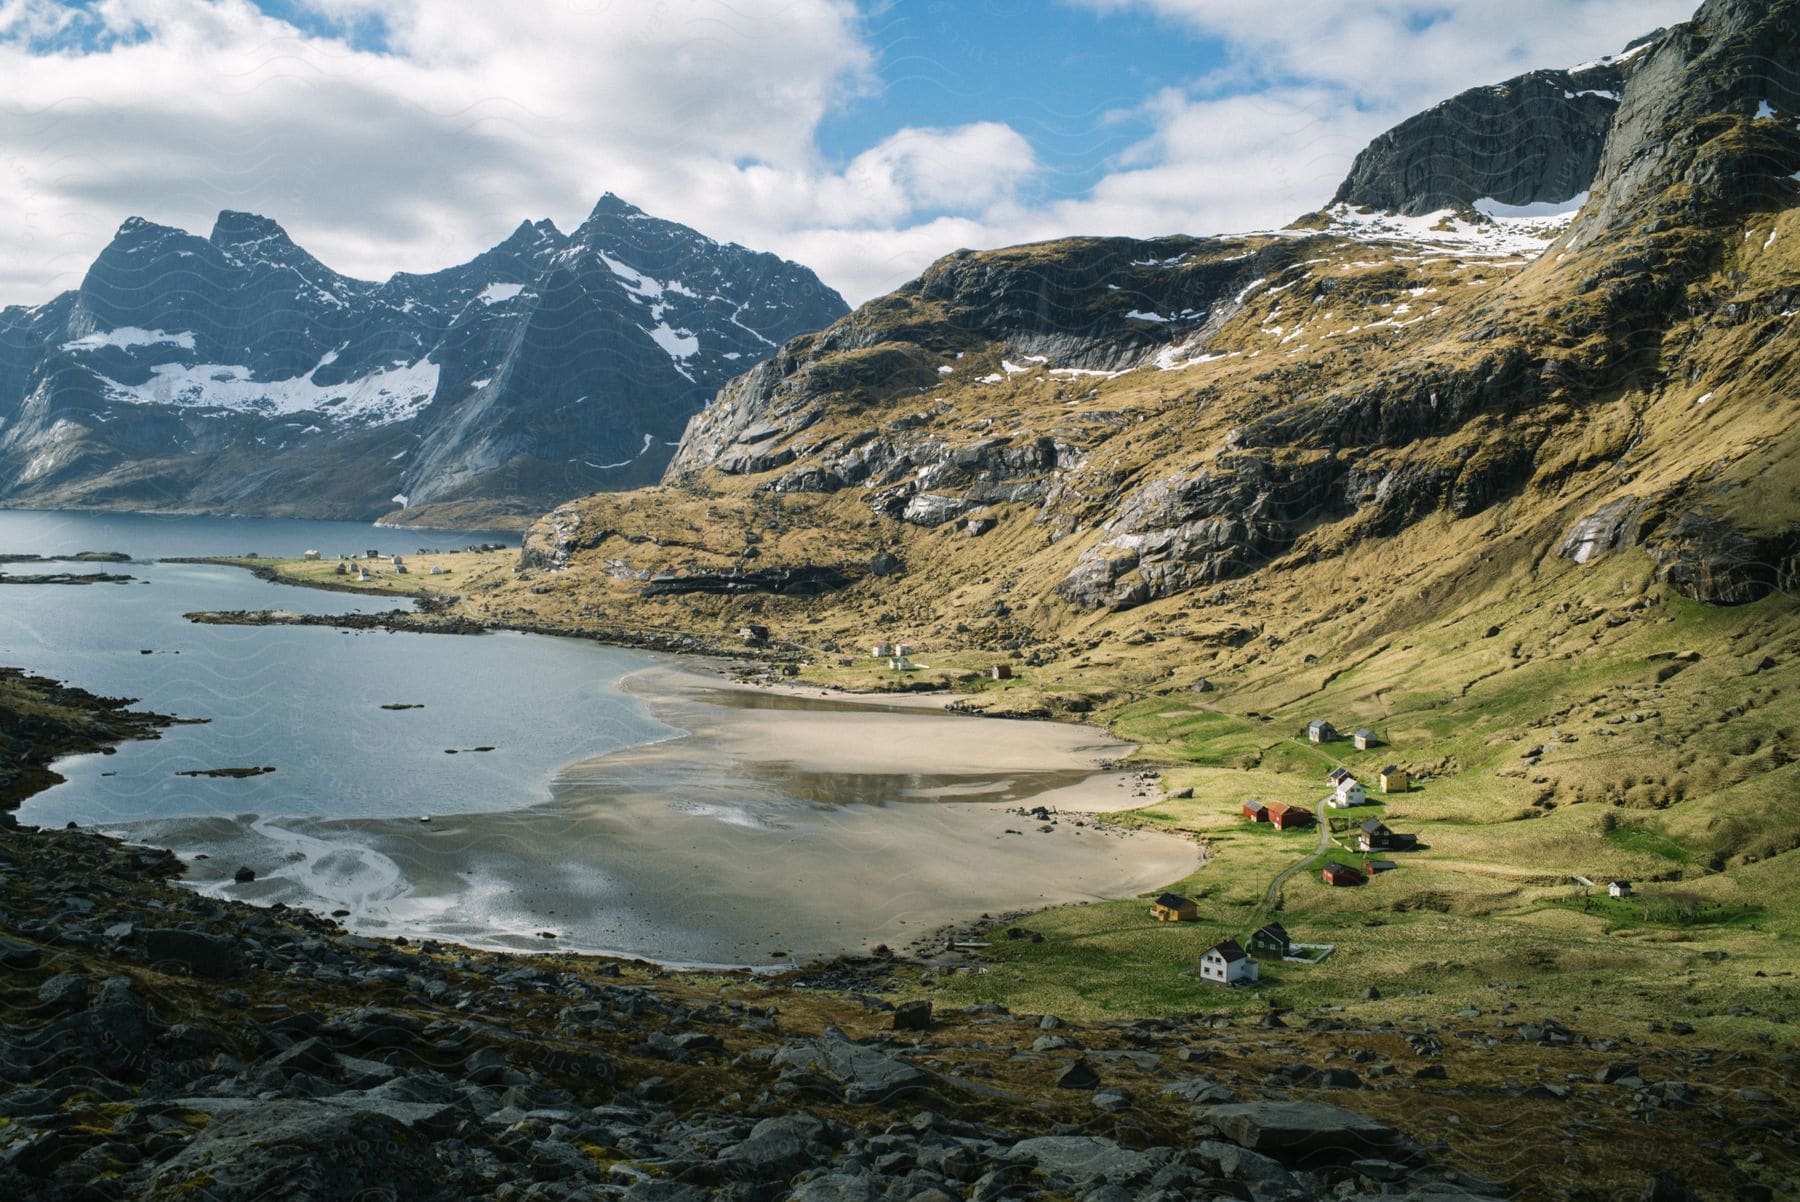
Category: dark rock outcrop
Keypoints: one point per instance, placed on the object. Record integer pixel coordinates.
(1532, 139)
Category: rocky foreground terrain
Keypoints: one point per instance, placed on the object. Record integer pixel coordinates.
(160, 1044)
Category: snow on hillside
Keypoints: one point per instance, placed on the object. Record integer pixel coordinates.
(1508, 231)
(493, 294)
(389, 395)
(126, 337)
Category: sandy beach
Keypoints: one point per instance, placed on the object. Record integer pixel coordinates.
(782, 827)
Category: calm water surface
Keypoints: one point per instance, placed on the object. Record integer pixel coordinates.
(303, 700)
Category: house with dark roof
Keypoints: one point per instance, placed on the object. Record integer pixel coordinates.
(1320, 731)
(1375, 866)
(1335, 873)
(1256, 811)
(1394, 779)
(1227, 964)
(1270, 940)
(1373, 835)
(1618, 888)
(1365, 738)
(1172, 907)
(1336, 775)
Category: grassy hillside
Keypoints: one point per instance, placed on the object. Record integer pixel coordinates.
(1572, 720)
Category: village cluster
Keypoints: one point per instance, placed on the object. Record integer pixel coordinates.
(1228, 962)
(899, 659)
(363, 574)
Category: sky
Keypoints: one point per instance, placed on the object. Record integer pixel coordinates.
(863, 138)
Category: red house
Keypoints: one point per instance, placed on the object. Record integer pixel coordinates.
(1256, 811)
(1341, 874)
(1287, 818)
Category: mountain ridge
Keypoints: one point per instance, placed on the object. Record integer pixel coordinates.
(238, 373)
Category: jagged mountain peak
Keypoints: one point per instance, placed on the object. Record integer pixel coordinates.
(532, 233)
(238, 372)
(135, 227)
(235, 228)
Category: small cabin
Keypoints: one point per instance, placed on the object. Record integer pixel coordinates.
(1337, 776)
(1375, 866)
(341, 570)
(1321, 731)
(1256, 811)
(1172, 907)
(400, 569)
(899, 663)
(362, 575)
(311, 555)
(1349, 793)
(881, 650)
(903, 649)
(1000, 672)
(1373, 835)
(1227, 964)
(1365, 739)
(1271, 940)
(1394, 779)
(1618, 888)
(1335, 873)
(753, 634)
(1287, 818)
(436, 571)
(372, 553)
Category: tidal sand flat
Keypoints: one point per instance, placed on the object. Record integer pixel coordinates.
(779, 827)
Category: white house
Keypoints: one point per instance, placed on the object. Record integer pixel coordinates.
(310, 555)
(1349, 793)
(1618, 888)
(881, 650)
(1227, 964)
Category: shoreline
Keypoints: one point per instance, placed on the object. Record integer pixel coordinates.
(775, 831)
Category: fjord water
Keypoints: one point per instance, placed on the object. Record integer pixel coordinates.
(677, 820)
(306, 701)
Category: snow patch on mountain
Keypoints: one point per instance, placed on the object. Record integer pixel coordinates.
(126, 337)
(631, 279)
(1504, 231)
(677, 344)
(391, 394)
(494, 294)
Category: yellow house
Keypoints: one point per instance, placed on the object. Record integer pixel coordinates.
(1172, 907)
(1394, 780)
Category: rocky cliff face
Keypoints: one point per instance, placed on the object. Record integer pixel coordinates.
(1534, 139)
(237, 373)
(1128, 423)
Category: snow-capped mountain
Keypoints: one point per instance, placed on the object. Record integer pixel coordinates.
(237, 373)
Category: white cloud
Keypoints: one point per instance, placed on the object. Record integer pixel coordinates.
(411, 134)
(1410, 53)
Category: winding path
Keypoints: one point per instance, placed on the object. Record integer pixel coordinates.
(1268, 901)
